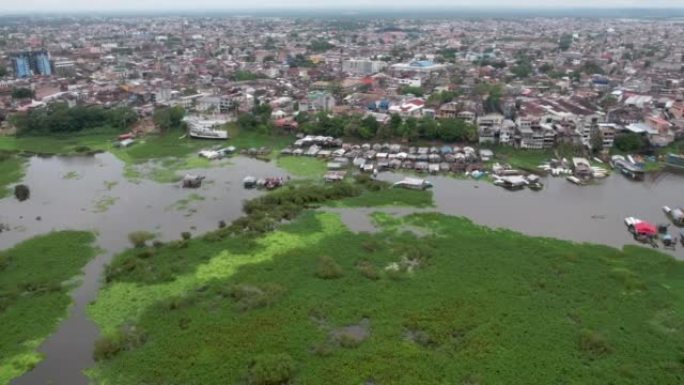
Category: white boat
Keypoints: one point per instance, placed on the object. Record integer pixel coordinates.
(205, 129)
(413, 183)
(575, 180)
(210, 154)
(208, 134)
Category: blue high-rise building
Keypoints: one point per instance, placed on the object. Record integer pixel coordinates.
(31, 63)
(22, 68)
(43, 64)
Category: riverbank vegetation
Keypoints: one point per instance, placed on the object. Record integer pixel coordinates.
(314, 302)
(59, 118)
(35, 279)
(11, 171)
(311, 168)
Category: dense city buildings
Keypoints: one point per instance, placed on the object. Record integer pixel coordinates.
(549, 81)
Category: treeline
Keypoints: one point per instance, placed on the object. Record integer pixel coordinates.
(60, 118)
(411, 128)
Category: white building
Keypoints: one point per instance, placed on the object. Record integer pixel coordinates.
(363, 66)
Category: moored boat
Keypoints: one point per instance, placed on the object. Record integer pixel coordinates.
(249, 182)
(675, 215)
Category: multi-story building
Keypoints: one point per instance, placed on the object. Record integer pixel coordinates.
(30, 63)
(363, 66)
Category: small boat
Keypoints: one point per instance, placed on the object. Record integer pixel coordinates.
(534, 182)
(511, 182)
(675, 161)
(668, 241)
(675, 215)
(192, 181)
(413, 183)
(575, 180)
(249, 182)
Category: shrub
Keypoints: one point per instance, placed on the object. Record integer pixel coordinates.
(145, 254)
(368, 270)
(593, 343)
(327, 268)
(140, 238)
(221, 224)
(126, 338)
(22, 192)
(271, 369)
(107, 347)
(249, 297)
(186, 235)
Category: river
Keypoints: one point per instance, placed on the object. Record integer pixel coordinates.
(90, 193)
(68, 193)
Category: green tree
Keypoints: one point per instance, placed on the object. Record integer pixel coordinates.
(565, 42)
(596, 140)
(122, 117)
(405, 90)
(630, 142)
(368, 128)
(3, 71)
(22, 93)
(395, 124)
(168, 119)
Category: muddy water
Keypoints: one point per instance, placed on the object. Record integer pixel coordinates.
(562, 210)
(90, 193)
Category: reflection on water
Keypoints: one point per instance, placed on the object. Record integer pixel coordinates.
(90, 193)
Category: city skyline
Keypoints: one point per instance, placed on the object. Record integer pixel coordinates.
(353, 5)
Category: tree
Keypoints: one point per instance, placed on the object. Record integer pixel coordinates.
(395, 123)
(608, 102)
(168, 119)
(427, 128)
(368, 128)
(122, 117)
(3, 71)
(22, 93)
(565, 42)
(451, 130)
(545, 68)
(596, 141)
(630, 142)
(522, 70)
(416, 91)
(437, 99)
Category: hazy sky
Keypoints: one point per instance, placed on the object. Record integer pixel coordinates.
(169, 5)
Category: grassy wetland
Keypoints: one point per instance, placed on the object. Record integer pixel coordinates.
(288, 294)
(35, 279)
(313, 302)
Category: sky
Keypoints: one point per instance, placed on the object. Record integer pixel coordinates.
(227, 5)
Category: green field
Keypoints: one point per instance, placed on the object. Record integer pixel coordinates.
(35, 279)
(447, 303)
